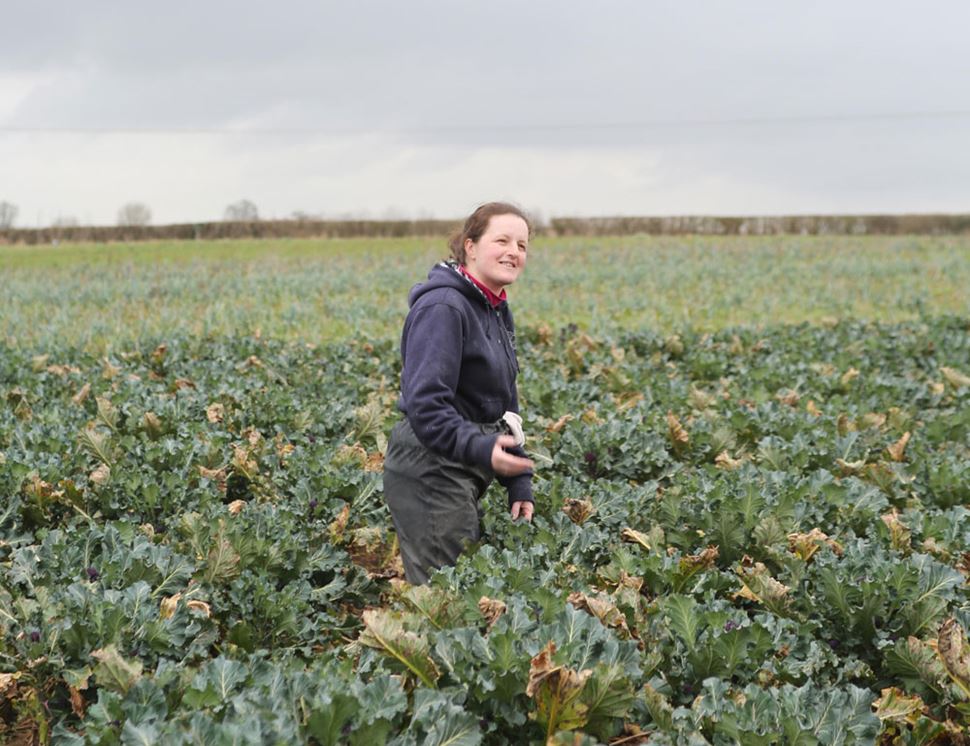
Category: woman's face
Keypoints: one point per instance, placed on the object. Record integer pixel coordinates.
(498, 257)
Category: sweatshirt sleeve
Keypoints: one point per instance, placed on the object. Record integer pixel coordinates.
(432, 366)
(519, 487)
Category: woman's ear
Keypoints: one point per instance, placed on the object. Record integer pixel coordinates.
(469, 244)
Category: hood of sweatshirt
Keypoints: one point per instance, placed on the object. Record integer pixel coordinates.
(446, 275)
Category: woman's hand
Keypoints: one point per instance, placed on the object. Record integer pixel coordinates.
(507, 464)
(522, 509)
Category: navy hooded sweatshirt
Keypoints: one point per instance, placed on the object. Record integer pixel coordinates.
(459, 369)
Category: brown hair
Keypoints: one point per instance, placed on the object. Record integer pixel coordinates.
(477, 223)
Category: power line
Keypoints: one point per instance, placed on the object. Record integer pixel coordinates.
(458, 128)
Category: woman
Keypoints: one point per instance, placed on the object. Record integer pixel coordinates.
(458, 381)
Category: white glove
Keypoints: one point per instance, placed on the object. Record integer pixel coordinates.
(515, 425)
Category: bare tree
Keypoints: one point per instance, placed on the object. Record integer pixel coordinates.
(134, 213)
(65, 221)
(8, 214)
(243, 210)
(303, 216)
(538, 219)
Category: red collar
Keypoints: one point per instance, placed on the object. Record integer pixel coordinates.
(492, 297)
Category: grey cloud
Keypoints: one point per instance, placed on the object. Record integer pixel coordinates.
(416, 65)
(443, 81)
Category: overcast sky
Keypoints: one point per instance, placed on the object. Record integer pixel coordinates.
(426, 108)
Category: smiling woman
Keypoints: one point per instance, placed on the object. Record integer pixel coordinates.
(457, 394)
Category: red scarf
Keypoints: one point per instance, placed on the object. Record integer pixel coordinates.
(492, 297)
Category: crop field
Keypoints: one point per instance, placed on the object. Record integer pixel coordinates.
(752, 521)
(108, 297)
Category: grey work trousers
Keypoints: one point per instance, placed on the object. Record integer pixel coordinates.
(434, 502)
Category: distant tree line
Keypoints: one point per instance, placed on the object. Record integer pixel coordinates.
(242, 221)
(130, 215)
(922, 224)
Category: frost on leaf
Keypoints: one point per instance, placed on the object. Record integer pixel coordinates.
(674, 346)
(374, 462)
(880, 474)
(371, 548)
(758, 585)
(168, 606)
(676, 432)
(387, 632)
(107, 412)
(700, 399)
(660, 709)
(627, 400)
(100, 475)
(369, 421)
(78, 706)
(437, 605)
(492, 609)
(578, 511)
(896, 449)
(158, 356)
(559, 424)
(724, 461)
(216, 475)
(108, 369)
(955, 654)
(81, 395)
(236, 506)
(8, 684)
(894, 705)
(850, 468)
(283, 449)
(17, 399)
(201, 606)
(113, 671)
(152, 425)
(244, 462)
(37, 487)
(804, 546)
(222, 562)
(603, 608)
(693, 563)
(631, 536)
(339, 526)
(954, 377)
(849, 376)
(844, 425)
(899, 533)
(350, 454)
(556, 690)
(97, 444)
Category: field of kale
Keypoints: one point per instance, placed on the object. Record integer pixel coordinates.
(753, 500)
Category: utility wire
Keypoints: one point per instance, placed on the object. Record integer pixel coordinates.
(458, 128)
